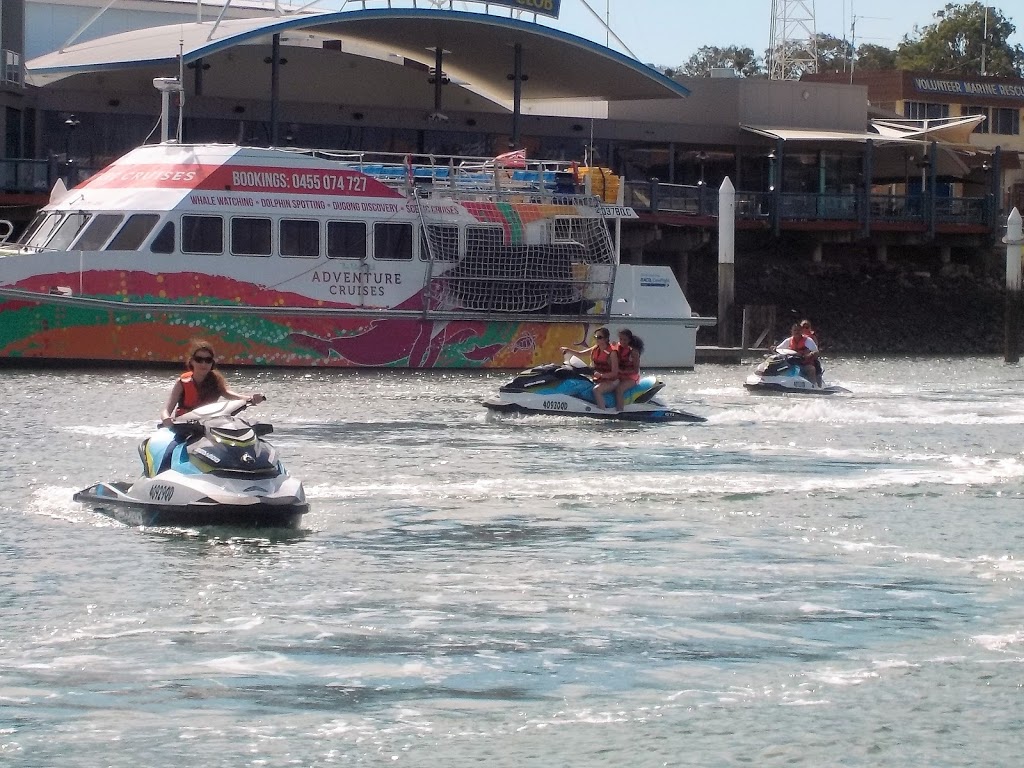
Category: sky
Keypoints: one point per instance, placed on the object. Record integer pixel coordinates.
(668, 32)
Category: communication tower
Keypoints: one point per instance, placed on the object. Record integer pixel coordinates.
(794, 40)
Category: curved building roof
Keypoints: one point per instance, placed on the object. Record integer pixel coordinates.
(478, 51)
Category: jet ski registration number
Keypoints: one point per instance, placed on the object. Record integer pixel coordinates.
(556, 405)
(159, 492)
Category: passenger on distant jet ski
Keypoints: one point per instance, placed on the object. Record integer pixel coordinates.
(200, 385)
(604, 359)
(628, 349)
(806, 348)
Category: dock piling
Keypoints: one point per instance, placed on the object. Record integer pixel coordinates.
(1014, 239)
(726, 261)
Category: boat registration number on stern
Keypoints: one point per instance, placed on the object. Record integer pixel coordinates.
(556, 405)
(160, 492)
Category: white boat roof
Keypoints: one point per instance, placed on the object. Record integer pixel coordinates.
(560, 66)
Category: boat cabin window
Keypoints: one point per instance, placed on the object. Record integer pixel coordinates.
(44, 231)
(346, 240)
(440, 242)
(300, 237)
(98, 232)
(134, 232)
(251, 237)
(31, 228)
(68, 230)
(202, 234)
(484, 238)
(164, 241)
(392, 242)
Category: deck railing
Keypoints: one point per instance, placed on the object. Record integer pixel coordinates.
(782, 207)
(35, 177)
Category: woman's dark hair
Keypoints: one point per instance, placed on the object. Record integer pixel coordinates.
(635, 342)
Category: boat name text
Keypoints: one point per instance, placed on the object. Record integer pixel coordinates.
(349, 283)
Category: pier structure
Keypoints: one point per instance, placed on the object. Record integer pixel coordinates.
(822, 168)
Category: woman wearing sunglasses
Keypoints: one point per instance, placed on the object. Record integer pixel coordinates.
(200, 385)
(604, 361)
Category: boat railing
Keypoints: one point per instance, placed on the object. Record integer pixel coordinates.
(462, 171)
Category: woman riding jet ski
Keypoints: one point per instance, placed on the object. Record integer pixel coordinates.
(568, 390)
(793, 367)
(209, 467)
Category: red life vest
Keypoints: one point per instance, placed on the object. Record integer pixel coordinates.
(629, 369)
(601, 359)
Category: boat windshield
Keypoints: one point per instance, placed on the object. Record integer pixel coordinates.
(44, 231)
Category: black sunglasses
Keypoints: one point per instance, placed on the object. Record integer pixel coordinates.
(202, 359)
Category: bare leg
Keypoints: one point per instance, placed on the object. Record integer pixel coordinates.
(600, 389)
(620, 394)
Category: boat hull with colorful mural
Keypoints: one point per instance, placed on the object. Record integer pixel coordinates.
(289, 258)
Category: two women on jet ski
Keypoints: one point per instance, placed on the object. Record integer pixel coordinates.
(200, 385)
(616, 366)
(803, 341)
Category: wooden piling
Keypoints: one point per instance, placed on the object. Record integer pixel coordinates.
(726, 262)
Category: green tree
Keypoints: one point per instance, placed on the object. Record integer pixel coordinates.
(708, 57)
(833, 53)
(875, 57)
(957, 42)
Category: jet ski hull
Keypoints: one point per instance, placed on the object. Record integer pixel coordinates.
(781, 373)
(790, 387)
(116, 499)
(566, 390)
(590, 411)
(209, 467)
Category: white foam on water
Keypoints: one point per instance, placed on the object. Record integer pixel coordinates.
(999, 642)
(56, 502)
(844, 677)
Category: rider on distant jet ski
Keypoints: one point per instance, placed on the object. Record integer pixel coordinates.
(806, 348)
(605, 362)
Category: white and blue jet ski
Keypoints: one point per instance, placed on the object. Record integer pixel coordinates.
(209, 468)
(567, 390)
(780, 372)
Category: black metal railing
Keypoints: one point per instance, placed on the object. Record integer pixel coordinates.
(700, 201)
(21, 176)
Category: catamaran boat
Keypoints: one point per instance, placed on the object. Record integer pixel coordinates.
(287, 257)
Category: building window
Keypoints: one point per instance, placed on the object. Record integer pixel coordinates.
(392, 241)
(924, 110)
(300, 237)
(1006, 122)
(346, 240)
(250, 237)
(202, 234)
(983, 126)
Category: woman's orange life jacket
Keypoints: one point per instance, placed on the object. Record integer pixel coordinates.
(629, 368)
(602, 361)
(191, 398)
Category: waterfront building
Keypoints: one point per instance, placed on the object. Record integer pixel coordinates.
(803, 155)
